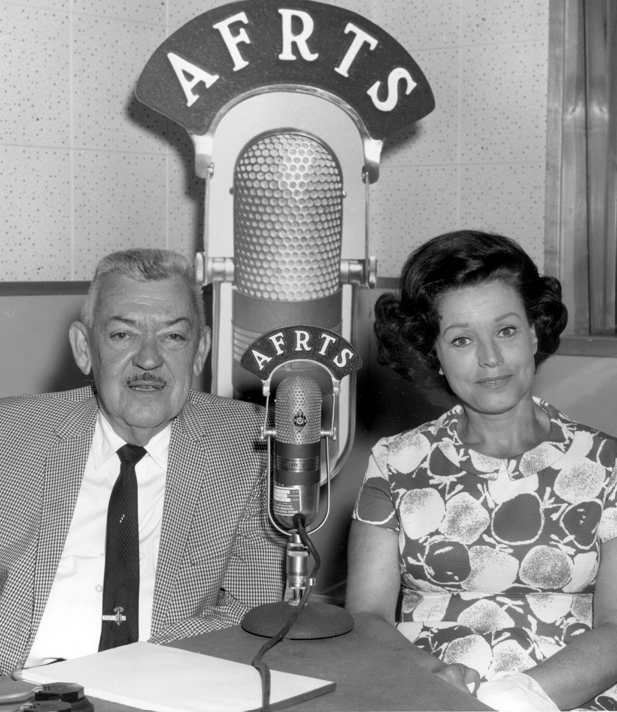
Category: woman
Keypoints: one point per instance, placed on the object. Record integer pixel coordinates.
(493, 527)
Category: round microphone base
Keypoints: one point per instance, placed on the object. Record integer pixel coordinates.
(317, 620)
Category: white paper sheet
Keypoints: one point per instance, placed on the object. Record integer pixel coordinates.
(163, 679)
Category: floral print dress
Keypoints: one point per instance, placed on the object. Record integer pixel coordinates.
(498, 558)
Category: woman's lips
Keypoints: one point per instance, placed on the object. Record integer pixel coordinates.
(493, 382)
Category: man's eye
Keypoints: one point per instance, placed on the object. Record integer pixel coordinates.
(120, 336)
(177, 337)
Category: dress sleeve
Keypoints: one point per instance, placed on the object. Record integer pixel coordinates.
(374, 504)
(608, 522)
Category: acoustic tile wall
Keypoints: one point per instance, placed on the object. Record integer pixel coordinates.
(478, 161)
(86, 169)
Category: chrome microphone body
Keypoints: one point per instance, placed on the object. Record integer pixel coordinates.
(297, 450)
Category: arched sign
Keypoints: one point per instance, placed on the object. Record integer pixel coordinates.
(255, 45)
(294, 343)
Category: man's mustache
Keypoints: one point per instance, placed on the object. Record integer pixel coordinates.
(149, 379)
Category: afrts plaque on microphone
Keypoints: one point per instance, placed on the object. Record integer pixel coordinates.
(293, 343)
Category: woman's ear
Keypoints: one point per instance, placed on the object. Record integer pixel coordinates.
(534, 339)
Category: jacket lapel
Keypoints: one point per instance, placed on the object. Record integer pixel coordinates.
(187, 482)
(63, 473)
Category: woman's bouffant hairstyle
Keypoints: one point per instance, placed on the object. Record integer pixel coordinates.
(407, 323)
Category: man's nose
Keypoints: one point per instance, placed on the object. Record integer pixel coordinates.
(148, 357)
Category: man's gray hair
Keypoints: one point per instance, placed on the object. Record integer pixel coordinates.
(143, 264)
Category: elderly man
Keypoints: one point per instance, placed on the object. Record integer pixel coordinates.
(135, 509)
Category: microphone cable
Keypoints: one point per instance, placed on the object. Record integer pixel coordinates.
(257, 662)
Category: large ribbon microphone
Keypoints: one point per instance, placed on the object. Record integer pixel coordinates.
(295, 443)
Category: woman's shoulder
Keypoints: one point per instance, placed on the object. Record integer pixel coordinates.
(421, 436)
(611, 440)
(564, 421)
(579, 444)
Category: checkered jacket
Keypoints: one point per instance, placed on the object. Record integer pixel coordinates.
(218, 555)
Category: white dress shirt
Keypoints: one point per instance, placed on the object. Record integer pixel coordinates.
(71, 623)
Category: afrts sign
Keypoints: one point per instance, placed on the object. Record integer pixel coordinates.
(258, 45)
(306, 343)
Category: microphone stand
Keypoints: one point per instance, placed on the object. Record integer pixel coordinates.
(318, 620)
(296, 617)
(257, 662)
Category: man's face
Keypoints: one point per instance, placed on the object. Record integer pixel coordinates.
(144, 348)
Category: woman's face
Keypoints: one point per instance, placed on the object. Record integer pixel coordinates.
(486, 347)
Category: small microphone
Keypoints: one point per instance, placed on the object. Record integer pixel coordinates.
(297, 450)
(294, 481)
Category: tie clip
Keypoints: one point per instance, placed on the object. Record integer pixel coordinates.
(118, 618)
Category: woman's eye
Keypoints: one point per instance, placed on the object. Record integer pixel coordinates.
(508, 331)
(460, 341)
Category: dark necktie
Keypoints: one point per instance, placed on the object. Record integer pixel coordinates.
(120, 623)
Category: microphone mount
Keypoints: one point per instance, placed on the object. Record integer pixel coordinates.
(286, 351)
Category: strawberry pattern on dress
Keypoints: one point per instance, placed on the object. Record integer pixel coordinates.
(498, 557)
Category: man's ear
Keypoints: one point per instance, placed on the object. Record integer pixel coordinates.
(203, 350)
(78, 336)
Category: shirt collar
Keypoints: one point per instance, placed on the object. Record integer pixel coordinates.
(106, 442)
(547, 454)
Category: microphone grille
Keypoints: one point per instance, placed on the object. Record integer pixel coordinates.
(288, 215)
(297, 411)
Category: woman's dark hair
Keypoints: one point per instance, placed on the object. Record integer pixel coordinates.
(407, 323)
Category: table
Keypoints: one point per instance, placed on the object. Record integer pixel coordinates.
(367, 674)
